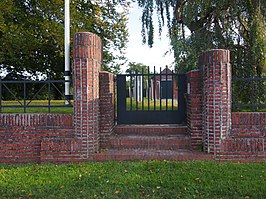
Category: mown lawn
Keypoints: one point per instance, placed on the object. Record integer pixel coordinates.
(37, 109)
(151, 104)
(156, 179)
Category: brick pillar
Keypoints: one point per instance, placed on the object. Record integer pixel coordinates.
(216, 77)
(87, 57)
(194, 108)
(107, 109)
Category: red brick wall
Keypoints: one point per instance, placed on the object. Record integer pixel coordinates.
(59, 138)
(216, 87)
(194, 108)
(229, 136)
(107, 110)
(87, 57)
(247, 141)
(249, 124)
(22, 136)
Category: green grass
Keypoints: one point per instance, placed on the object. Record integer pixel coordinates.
(68, 110)
(149, 105)
(246, 109)
(156, 179)
(37, 109)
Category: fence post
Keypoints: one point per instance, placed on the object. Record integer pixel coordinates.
(216, 76)
(87, 55)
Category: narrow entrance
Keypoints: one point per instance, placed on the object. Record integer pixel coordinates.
(151, 98)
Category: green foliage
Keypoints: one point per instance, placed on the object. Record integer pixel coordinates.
(197, 26)
(32, 33)
(133, 67)
(155, 179)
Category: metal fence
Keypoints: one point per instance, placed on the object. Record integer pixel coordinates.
(249, 94)
(33, 96)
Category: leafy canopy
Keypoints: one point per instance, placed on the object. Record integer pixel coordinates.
(199, 25)
(32, 33)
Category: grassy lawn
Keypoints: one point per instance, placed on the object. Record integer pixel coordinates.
(150, 104)
(36, 109)
(131, 105)
(156, 179)
(259, 109)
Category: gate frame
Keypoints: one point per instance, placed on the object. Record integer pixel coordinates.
(151, 116)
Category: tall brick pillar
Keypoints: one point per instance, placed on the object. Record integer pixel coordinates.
(87, 57)
(216, 77)
(194, 108)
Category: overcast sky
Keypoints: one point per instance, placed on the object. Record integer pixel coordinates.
(139, 53)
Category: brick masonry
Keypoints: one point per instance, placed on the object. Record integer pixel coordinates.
(107, 107)
(194, 109)
(226, 135)
(247, 140)
(216, 87)
(69, 138)
(87, 58)
(27, 137)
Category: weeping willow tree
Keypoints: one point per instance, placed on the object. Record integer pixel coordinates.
(199, 25)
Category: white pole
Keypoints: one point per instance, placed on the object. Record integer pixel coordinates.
(67, 51)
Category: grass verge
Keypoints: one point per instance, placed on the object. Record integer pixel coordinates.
(37, 109)
(155, 179)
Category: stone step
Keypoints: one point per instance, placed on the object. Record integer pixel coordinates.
(150, 129)
(170, 142)
(140, 154)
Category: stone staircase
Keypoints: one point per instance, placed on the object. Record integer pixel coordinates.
(150, 142)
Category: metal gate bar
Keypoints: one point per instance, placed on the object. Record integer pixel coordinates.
(155, 107)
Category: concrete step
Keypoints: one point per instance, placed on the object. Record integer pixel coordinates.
(140, 154)
(152, 142)
(150, 129)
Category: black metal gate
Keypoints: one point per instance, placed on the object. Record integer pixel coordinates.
(150, 98)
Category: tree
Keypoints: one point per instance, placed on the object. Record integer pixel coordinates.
(133, 67)
(239, 26)
(32, 33)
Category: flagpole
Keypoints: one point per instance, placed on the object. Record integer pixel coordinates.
(67, 52)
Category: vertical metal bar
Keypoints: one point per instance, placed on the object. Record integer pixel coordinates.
(121, 99)
(136, 82)
(49, 95)
(166, 88)
(67, 51)
(173, 90)
(115, 98)
(131, 91)
(1, 95)
(252, 95)
(160, 89)
(142, 88)
(154, 90)
(148, 88)
(24, 96)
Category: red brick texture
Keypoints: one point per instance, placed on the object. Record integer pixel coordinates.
(66, 138)
(229, 136)
(247, 141)
(107, 110)
(27, 137)
(79, 137)
(216, 88)
(226, 135)
(87, 57)
(194, 108)
(249, 124)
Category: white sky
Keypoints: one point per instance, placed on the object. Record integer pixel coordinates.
(139, 53)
